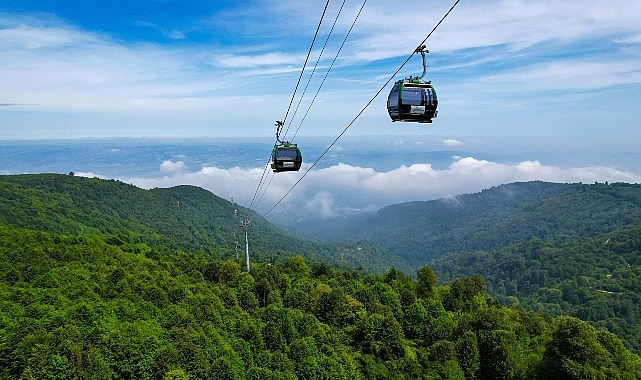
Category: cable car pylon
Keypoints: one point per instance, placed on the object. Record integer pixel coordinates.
(246, 223)
(236, 243)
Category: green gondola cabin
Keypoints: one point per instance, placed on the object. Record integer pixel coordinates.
(412, 100)
(286, 157)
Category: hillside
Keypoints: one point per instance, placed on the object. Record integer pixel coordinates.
(563, 249)
(100, 279)
(419, 232)
(183, 217)
(597, 279)
(82, 307)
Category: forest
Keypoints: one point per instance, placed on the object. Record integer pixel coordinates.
(562, 249)
(419, 232)
(102, 280)
(183, 217)
(81, 307)
(596, 279)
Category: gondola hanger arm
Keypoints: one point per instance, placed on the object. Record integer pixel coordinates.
(422, 50)
(279, 127)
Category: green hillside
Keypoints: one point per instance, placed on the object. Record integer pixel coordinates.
(82, 307)
(182, 217)
(422, 231)
(103, 280)
(597, 279)
(568, 249)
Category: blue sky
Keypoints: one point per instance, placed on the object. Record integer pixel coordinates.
(75, 69)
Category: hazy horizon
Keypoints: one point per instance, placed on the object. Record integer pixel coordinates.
(360, 173)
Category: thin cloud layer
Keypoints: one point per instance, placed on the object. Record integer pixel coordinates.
(452, 142)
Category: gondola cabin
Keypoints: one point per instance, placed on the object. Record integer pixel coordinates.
(286, 157)
(412, 100)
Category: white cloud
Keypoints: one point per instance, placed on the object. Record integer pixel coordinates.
(345, 188)
(267, 59)
(322, 204)
(61, 67)
(515, 25)
(33, 33)
(452, 142)
(577, 74)
(177, 35)
(172, 167)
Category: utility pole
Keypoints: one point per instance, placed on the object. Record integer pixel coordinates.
(246, 223)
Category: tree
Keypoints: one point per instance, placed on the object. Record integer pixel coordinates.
(225, 368)
(273, 337)
(303, 348)
(427, 280)
(499, 356)
(462, 293)
(176, 374)
(298, 296)
(576, 352)
(297, 267)
(381, 336)
(414, 320)
(439, 324)
(334, 306)
(58, 369)
(443, 360)
(467, 354)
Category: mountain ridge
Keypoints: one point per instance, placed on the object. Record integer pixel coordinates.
(421, 231)
(562, 249)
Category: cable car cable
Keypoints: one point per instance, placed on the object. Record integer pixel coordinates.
(265, 171)
(306, 59)
(293, 96)
(315, 66)
(264, 191)
(257, 202)
(330, 68)
(360, 112)
(261, 183)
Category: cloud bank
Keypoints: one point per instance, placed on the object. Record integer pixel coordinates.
(344, 189)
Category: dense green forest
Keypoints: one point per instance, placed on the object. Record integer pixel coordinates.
(597, 279)
(568, 249)
(84, 307)
(184, 217)
(419, 232)
(103, 280)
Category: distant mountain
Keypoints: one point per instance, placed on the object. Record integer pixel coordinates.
(419, 232)
(182, 217)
